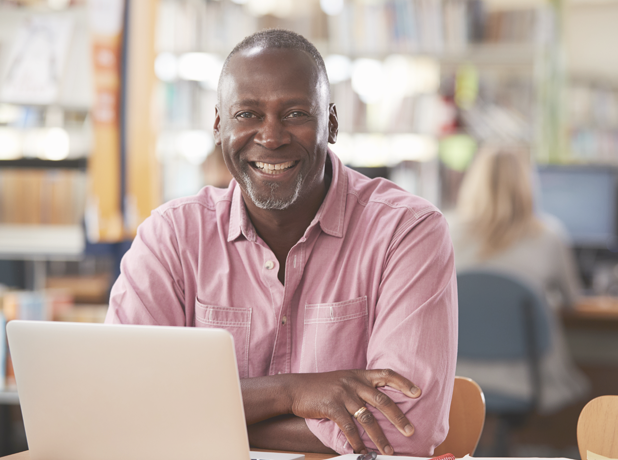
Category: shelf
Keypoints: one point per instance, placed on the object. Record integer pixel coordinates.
(35, 163)
(499, 54)
(482, 53)
(41, 242)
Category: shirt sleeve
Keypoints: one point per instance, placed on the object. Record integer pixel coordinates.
(150, 287)
(414, 334)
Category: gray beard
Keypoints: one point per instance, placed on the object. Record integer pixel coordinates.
(271, 202)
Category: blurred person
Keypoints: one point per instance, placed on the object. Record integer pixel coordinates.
(332, 285)
(495, 227)
(214, 169)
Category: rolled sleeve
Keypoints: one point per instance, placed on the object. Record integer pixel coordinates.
(415, 334)
(149, 289)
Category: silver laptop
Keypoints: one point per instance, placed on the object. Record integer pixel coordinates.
(100, 392)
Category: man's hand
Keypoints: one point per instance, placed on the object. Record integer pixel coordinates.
(339, 395)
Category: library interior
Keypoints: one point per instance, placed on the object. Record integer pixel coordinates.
(461, 102)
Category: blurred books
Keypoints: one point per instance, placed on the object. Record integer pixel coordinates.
(593, 120)
(30, 196)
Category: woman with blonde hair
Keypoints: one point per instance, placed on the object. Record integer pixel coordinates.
(496, 228)
(495, 200)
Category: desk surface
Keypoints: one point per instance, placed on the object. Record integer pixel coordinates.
(26, 456)
(596, 307)
(592, 313)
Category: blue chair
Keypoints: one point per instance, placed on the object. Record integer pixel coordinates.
(502, 319)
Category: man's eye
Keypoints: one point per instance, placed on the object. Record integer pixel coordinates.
(245, 115)
(297, 114)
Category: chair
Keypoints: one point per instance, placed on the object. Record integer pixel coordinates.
(597, 427)
(466, 419)
(502, 319)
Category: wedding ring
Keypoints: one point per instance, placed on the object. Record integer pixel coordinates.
(359, 412)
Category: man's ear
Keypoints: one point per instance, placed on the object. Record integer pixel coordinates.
(215, 128)
(333, 123)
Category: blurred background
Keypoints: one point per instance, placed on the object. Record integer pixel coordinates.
(107, 107)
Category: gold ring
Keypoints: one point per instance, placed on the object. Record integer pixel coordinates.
(359, 412)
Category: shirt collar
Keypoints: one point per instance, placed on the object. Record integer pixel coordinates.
(239, 220)
(330, 216)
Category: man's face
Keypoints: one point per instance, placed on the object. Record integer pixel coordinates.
(274, 124)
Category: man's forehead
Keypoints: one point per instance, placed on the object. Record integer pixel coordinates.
(258, 66)
(258, 54)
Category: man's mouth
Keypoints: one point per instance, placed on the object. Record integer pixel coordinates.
(274, 168)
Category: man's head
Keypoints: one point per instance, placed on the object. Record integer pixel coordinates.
(273, 118)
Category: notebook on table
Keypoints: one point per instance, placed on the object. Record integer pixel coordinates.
(99, 392)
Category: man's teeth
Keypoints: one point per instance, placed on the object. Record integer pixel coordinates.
(274, 168)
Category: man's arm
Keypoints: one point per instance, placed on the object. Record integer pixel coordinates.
(150, 287)
(285, 432)
(329, 395)
(414, 333)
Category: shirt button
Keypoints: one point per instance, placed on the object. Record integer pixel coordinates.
(284, 320)
(278, 372)
(269, 265)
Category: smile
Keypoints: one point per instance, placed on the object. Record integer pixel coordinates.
(274, 169)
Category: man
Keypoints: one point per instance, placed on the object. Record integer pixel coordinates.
(331, 284)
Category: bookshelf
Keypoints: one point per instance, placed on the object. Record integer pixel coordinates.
(83, 125)
(41, 242)
(47, 145)
(592, 83)
(593, 121)
(419, 57)
(45, 131)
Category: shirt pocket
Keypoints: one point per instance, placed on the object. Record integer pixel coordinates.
(335, 336)
(237, 321)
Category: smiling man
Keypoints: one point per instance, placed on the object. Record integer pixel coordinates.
(339, 291)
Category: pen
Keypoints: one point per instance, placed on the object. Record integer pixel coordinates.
(368, 456)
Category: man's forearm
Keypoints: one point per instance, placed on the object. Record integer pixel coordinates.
(285, 432)
(269, 423)
(265, 398)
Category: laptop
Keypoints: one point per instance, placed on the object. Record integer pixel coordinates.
(100, 392)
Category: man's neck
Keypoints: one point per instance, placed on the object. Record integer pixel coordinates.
(281, 229)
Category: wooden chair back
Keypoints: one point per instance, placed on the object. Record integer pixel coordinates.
(466, 419)
(597, 427)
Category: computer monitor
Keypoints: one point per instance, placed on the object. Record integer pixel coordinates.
(584, 198)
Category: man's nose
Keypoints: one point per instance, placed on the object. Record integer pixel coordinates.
(272, 134)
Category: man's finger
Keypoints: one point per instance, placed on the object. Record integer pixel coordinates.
(390, 378)
(388, 407)
(373, 429)
(346, 424)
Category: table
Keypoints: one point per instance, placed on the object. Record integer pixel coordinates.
(591, 328)
(26, 456)
(593, 308)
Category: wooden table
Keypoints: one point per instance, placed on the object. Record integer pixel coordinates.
(594, 308)
(593, 324)
(26, 456)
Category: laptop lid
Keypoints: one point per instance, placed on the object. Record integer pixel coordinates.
(100, 392)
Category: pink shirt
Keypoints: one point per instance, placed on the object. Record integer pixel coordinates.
(371, 284)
